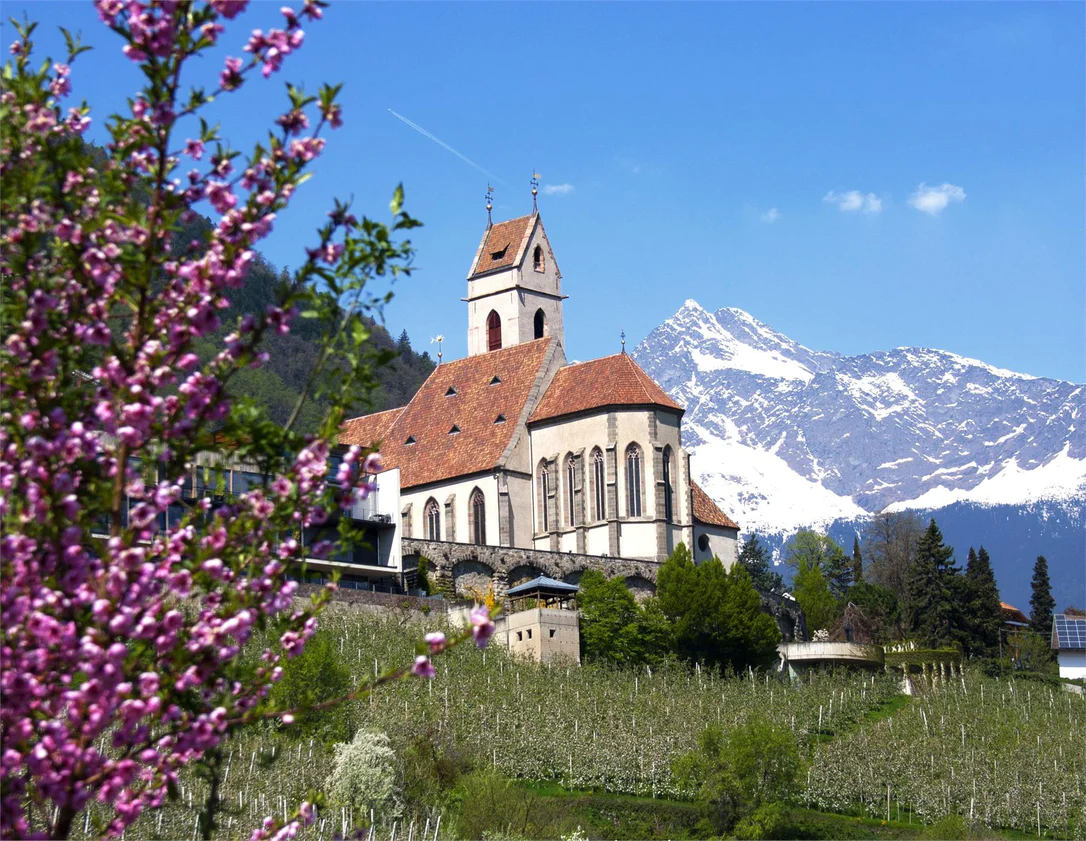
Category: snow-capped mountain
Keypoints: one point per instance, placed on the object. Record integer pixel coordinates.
(785, 437)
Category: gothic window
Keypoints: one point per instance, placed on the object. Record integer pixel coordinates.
(669, 509)
(478, 518)
(599, 485)
(633, 481)
(540, 324)
(493, 331)
(544, 494)
(571, 486)
(433, 520)
(538, 262)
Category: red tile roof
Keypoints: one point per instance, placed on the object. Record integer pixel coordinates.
(508, 239)
(436, 454)
(1013, 614)
(368, 430)
(708, 512)
(611, 381)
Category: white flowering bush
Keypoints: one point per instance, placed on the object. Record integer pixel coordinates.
(363, 775)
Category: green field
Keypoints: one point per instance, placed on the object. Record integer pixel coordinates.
(996, 756)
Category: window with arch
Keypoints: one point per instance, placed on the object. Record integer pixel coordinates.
(669, 496)
(433, 520)
(544, 497)
(493, 331)
(477, 508)
(538, 261)
(571, 491)
(633, 480)
(599, 485)
(540, 324)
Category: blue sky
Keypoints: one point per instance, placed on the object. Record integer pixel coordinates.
(764, 156)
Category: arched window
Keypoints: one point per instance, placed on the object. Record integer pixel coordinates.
(493, 331)
(669, 510)
(538, 263)
(477, 507)
(571, 491)
(433, 520)
(599, 485)
(633, 481)
(540, 324)
(544, 494)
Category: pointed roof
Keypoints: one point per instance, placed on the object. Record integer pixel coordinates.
(543, 582)
(708, 512)
(611, 381)
(503, 245)
(461, 420)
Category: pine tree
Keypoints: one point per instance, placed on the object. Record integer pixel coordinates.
(754, 557)
(932, 590)
(984, 615)
(1041, 603)
(403, 346)
(857, 562)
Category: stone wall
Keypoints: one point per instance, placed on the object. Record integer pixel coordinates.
(468, 567)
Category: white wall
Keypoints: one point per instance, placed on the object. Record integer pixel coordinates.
(723, 543)
(418, 497)
(1072, 664)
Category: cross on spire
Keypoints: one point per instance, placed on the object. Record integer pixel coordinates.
(622, 336)
(535, 190)
(489, 203)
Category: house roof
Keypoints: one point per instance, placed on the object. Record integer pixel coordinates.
(507, 240)
(1013, 614)
(611, 381)
(1068, 632)
(451, 421)
(708, 512)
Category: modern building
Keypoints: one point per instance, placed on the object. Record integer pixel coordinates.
(573, 465)
(1069, 643)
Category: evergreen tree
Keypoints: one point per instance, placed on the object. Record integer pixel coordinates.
(817, 550)
(754, 557)
(932, 589)
(813, 594)
(984, 616)
(1041, 603)
(857, 562)
(403, 346)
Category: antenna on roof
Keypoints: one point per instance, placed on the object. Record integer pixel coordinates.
(489, 203)
(622, 336)
(535, 191)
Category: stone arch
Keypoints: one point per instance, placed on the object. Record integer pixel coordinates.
(640, 586)
(472, 578)
(539, 325)
(573, 576)
(523, 572)
(493, 331)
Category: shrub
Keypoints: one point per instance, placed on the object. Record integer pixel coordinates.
(490, 806)
(364, 776)
(317, 674)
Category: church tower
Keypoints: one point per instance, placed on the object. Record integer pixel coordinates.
(514, 287)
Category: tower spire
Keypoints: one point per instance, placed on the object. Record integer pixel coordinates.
(535, 191)
(622, 336)
(489, 203)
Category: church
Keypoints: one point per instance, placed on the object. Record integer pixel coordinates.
(514, 462)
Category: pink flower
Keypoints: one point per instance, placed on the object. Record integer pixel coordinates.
(423, 667)
(436, 640)
(482, 628)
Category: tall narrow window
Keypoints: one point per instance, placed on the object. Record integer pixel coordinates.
(571, 485)
(544, 493)
(433, 520)
(478, 518)
(633, 481)
(599, 484)
(538, 262)
(668, 503)
(540, 324)
(493, 331)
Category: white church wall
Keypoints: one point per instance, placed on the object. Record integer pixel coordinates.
(597, 540)
(637, 540)
(721, 542)
(462, 491)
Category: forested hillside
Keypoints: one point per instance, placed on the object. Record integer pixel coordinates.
(277, 384)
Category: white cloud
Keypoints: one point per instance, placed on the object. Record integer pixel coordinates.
(853, 200)
(933, 200)
(771, 215)
(557, 189)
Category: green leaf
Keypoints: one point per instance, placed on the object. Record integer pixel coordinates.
(396, 205)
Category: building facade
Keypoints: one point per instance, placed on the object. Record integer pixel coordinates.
(514, 447)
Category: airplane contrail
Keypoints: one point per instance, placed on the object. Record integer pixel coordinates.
(445, 145)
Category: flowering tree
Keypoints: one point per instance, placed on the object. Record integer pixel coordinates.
(128, 594)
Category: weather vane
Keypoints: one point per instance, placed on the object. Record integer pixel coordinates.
(439, 339)
(535, 191)
(622, 336)
(489, 203)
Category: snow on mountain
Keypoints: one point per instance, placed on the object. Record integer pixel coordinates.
(784, 436)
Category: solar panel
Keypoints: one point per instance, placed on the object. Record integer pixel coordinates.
(1070, 632)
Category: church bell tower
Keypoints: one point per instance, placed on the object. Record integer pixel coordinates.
(514, 286)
